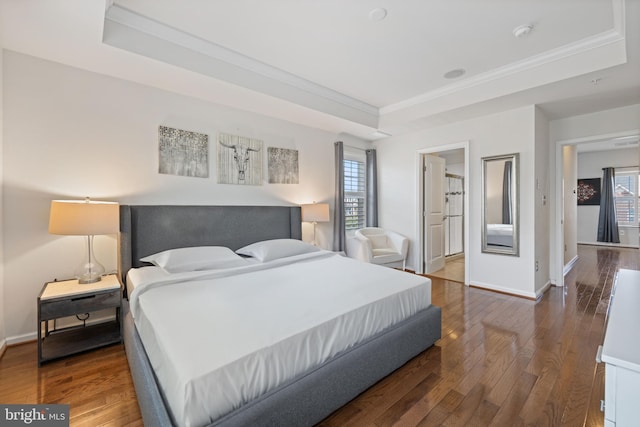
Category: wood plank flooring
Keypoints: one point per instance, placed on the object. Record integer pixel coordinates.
(502, 361)
(453, 270)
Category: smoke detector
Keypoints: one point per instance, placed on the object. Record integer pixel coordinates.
(522, 31)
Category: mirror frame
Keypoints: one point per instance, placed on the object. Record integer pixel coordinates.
(515, 184)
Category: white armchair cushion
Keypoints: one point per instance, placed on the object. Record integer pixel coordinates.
(386, 252)
(378, 246)
(378, 241)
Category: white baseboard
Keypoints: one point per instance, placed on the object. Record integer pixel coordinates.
(543, 290)
(568, 266)
(19, 339)
(613, 245)
(503, 290)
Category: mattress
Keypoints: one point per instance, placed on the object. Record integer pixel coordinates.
(217, 340)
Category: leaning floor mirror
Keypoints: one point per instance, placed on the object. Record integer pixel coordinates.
(500, 216)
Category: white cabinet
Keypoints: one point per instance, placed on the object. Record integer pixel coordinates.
(621, 353)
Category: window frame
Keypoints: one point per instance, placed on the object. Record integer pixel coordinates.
(635, 199)
(351, 156)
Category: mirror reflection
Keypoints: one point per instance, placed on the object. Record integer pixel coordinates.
(500, 204)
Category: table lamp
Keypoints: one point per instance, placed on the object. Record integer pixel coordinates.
(85, 218)
(315, 213)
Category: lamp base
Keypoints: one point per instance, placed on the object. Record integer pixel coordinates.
(313, 242)
(85, 280)
(90, 271)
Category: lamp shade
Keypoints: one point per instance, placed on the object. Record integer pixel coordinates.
(83, 217)
(315, 212)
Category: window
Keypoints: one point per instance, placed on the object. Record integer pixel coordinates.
(354, 194)
(626, 197)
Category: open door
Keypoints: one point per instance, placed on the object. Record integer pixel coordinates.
(434, 212)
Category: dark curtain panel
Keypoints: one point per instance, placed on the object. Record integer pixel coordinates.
(607, 222)
(507, 203)
(339, 237)
(372, 189)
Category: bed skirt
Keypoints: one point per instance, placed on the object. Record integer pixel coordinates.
(309, 398)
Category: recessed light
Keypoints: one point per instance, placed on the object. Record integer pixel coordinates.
(378, 14)
(522, 30)
(454, 74)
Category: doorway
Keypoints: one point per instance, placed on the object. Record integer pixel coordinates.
(454, 216)
(567, 173)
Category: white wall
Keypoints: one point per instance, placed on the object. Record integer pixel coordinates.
(606, 122)
(497, 134)
(69, 133)
(541, 191)
(614, 122)
(590, 165)
(455, 168)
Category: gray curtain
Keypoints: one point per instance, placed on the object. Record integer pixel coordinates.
(371, 185)
(507, 203)
(339, 237)
(607, 222)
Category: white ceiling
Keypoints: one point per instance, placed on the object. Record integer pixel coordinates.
(326, 64)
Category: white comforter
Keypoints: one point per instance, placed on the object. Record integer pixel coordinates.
(219, 339)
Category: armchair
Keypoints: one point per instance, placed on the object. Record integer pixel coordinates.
(379, 246)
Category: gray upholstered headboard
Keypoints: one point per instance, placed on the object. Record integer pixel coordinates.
(145, 230)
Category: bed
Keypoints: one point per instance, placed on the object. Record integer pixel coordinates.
(336, 368)
(500, 235)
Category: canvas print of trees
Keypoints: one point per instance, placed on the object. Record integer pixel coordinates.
(283, 165)
(183, 152)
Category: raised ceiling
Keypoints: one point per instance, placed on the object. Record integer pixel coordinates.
(329, 65)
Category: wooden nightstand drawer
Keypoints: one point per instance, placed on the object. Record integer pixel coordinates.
(78, 304)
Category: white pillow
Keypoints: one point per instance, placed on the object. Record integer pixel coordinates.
(195, 258)
(269, 250)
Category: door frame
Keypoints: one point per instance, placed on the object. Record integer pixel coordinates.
(420, 238)
(557, 264)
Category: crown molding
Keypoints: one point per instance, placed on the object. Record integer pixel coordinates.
(131, 31)
(548, 57)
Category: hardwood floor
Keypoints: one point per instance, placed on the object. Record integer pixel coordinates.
(96, 385)
(453, 270)
(502, 361)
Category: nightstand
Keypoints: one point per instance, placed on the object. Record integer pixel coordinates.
(69, 298)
